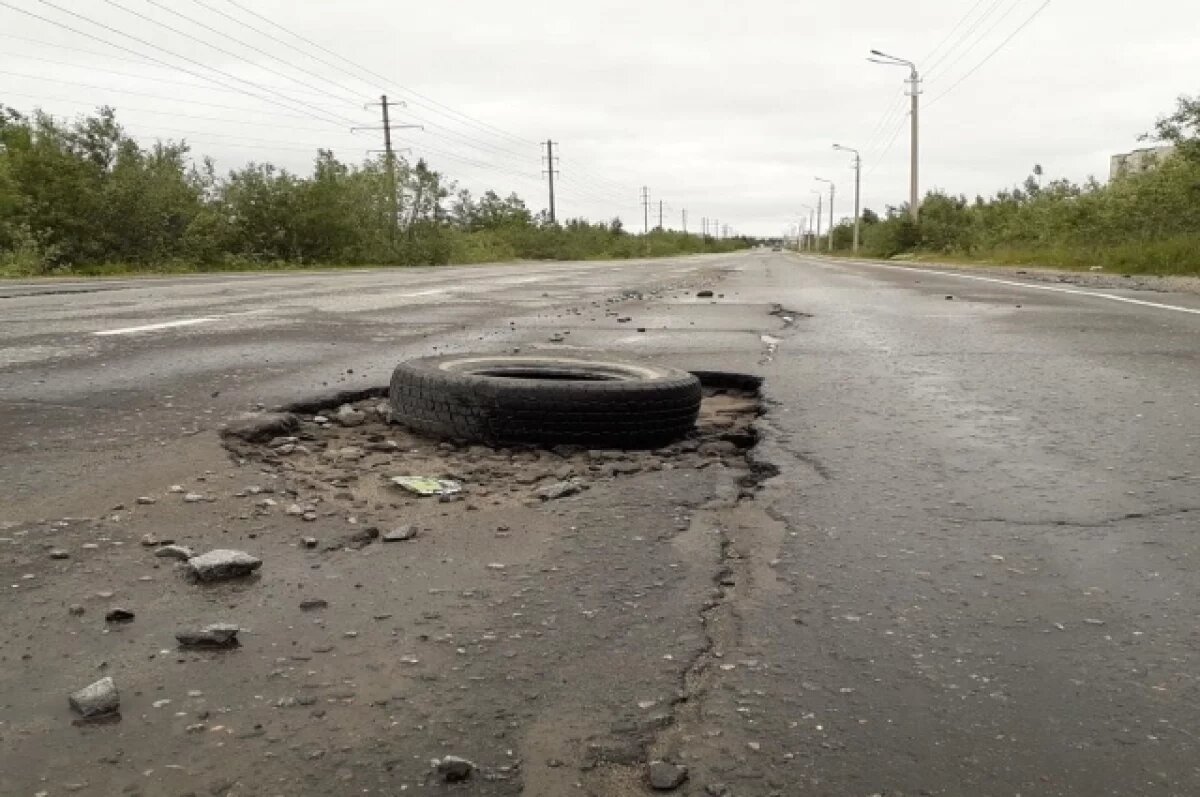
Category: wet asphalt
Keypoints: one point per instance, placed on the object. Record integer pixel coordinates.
(973, 574)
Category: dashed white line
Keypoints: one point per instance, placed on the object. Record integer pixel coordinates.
(1051, 288)
(184, 322)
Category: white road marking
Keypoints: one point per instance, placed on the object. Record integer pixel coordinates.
(185, 322)
(1051, 288)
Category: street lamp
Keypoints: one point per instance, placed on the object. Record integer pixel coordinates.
(914, 81)
(857, 188)
(805, 227)
(817, 239)
(832, 191)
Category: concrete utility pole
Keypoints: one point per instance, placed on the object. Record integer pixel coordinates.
(684, 218)
(820, 200)
(717, 229)
(914, 91)
(645, 210)
(550, 172)
(832, 191)
(660, 215)
(857, 191)
(805, 225)
(390, 157)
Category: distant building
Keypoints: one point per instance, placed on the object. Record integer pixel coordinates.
(1138, 161)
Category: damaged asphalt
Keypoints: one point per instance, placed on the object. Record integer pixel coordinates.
(959, 559)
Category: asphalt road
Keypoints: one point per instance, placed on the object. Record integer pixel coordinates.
(974, 572)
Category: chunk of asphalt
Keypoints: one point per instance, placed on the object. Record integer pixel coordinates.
(400, 534)
(664, 776)
(259, 427)
(453, 769)
(221, 565)
(96, 700)
(215, 636)
(178, 552)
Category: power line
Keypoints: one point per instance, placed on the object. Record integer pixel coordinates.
(895, 135)
(982, 36)
(229, 53)
(143, 94)
(147, 57)
(446, 109)
(966, 34)
(990, 55)
(174, 114)
(926, 60)
(260, 51)
(119, 73)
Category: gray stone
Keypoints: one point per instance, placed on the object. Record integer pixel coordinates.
(557, 490)
(453, 769)
(349, 417)
(76, 609)
(260, 427)
(193, 498)
(312, 604)
(59, 553)
(97, 700)
(352, 453)
(118, 615)
(223, 564)
(179, 552)
(217, 635)
(664, 776)
(309, 542)
(401, 534)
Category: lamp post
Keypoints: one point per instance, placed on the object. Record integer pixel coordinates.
(914, 82)
(805, 227)
(832, 192)
(857, 190)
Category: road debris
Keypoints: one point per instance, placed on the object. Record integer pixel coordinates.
(664, 776)
(425, 486)
(223, 564)
(215, 636)
(552, 492)
(349, 417)
(118, 615)
(97, 700)
(178, 552)
(453, 769)
(401, 534)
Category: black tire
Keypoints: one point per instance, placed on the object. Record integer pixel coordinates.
(500, 400)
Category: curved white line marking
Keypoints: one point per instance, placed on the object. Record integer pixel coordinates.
(1052, 288)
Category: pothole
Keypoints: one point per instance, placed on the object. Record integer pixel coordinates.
(347, 453)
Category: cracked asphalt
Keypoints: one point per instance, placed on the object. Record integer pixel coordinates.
(968, 565)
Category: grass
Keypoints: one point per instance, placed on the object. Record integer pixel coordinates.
(1176, 256)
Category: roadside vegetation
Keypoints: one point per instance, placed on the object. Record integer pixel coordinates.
(1146, 223)
(85, 198)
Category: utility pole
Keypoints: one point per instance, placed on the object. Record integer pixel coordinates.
(804, 228)
(390, 155)
(645, 210)
(717, 228)
(857, 191)
(914, 91)
(817, 239)
(684, 214)
(660, 215)
(550, 172)
(832, 189)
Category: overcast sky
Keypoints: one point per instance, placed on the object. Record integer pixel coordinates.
(727, 110)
